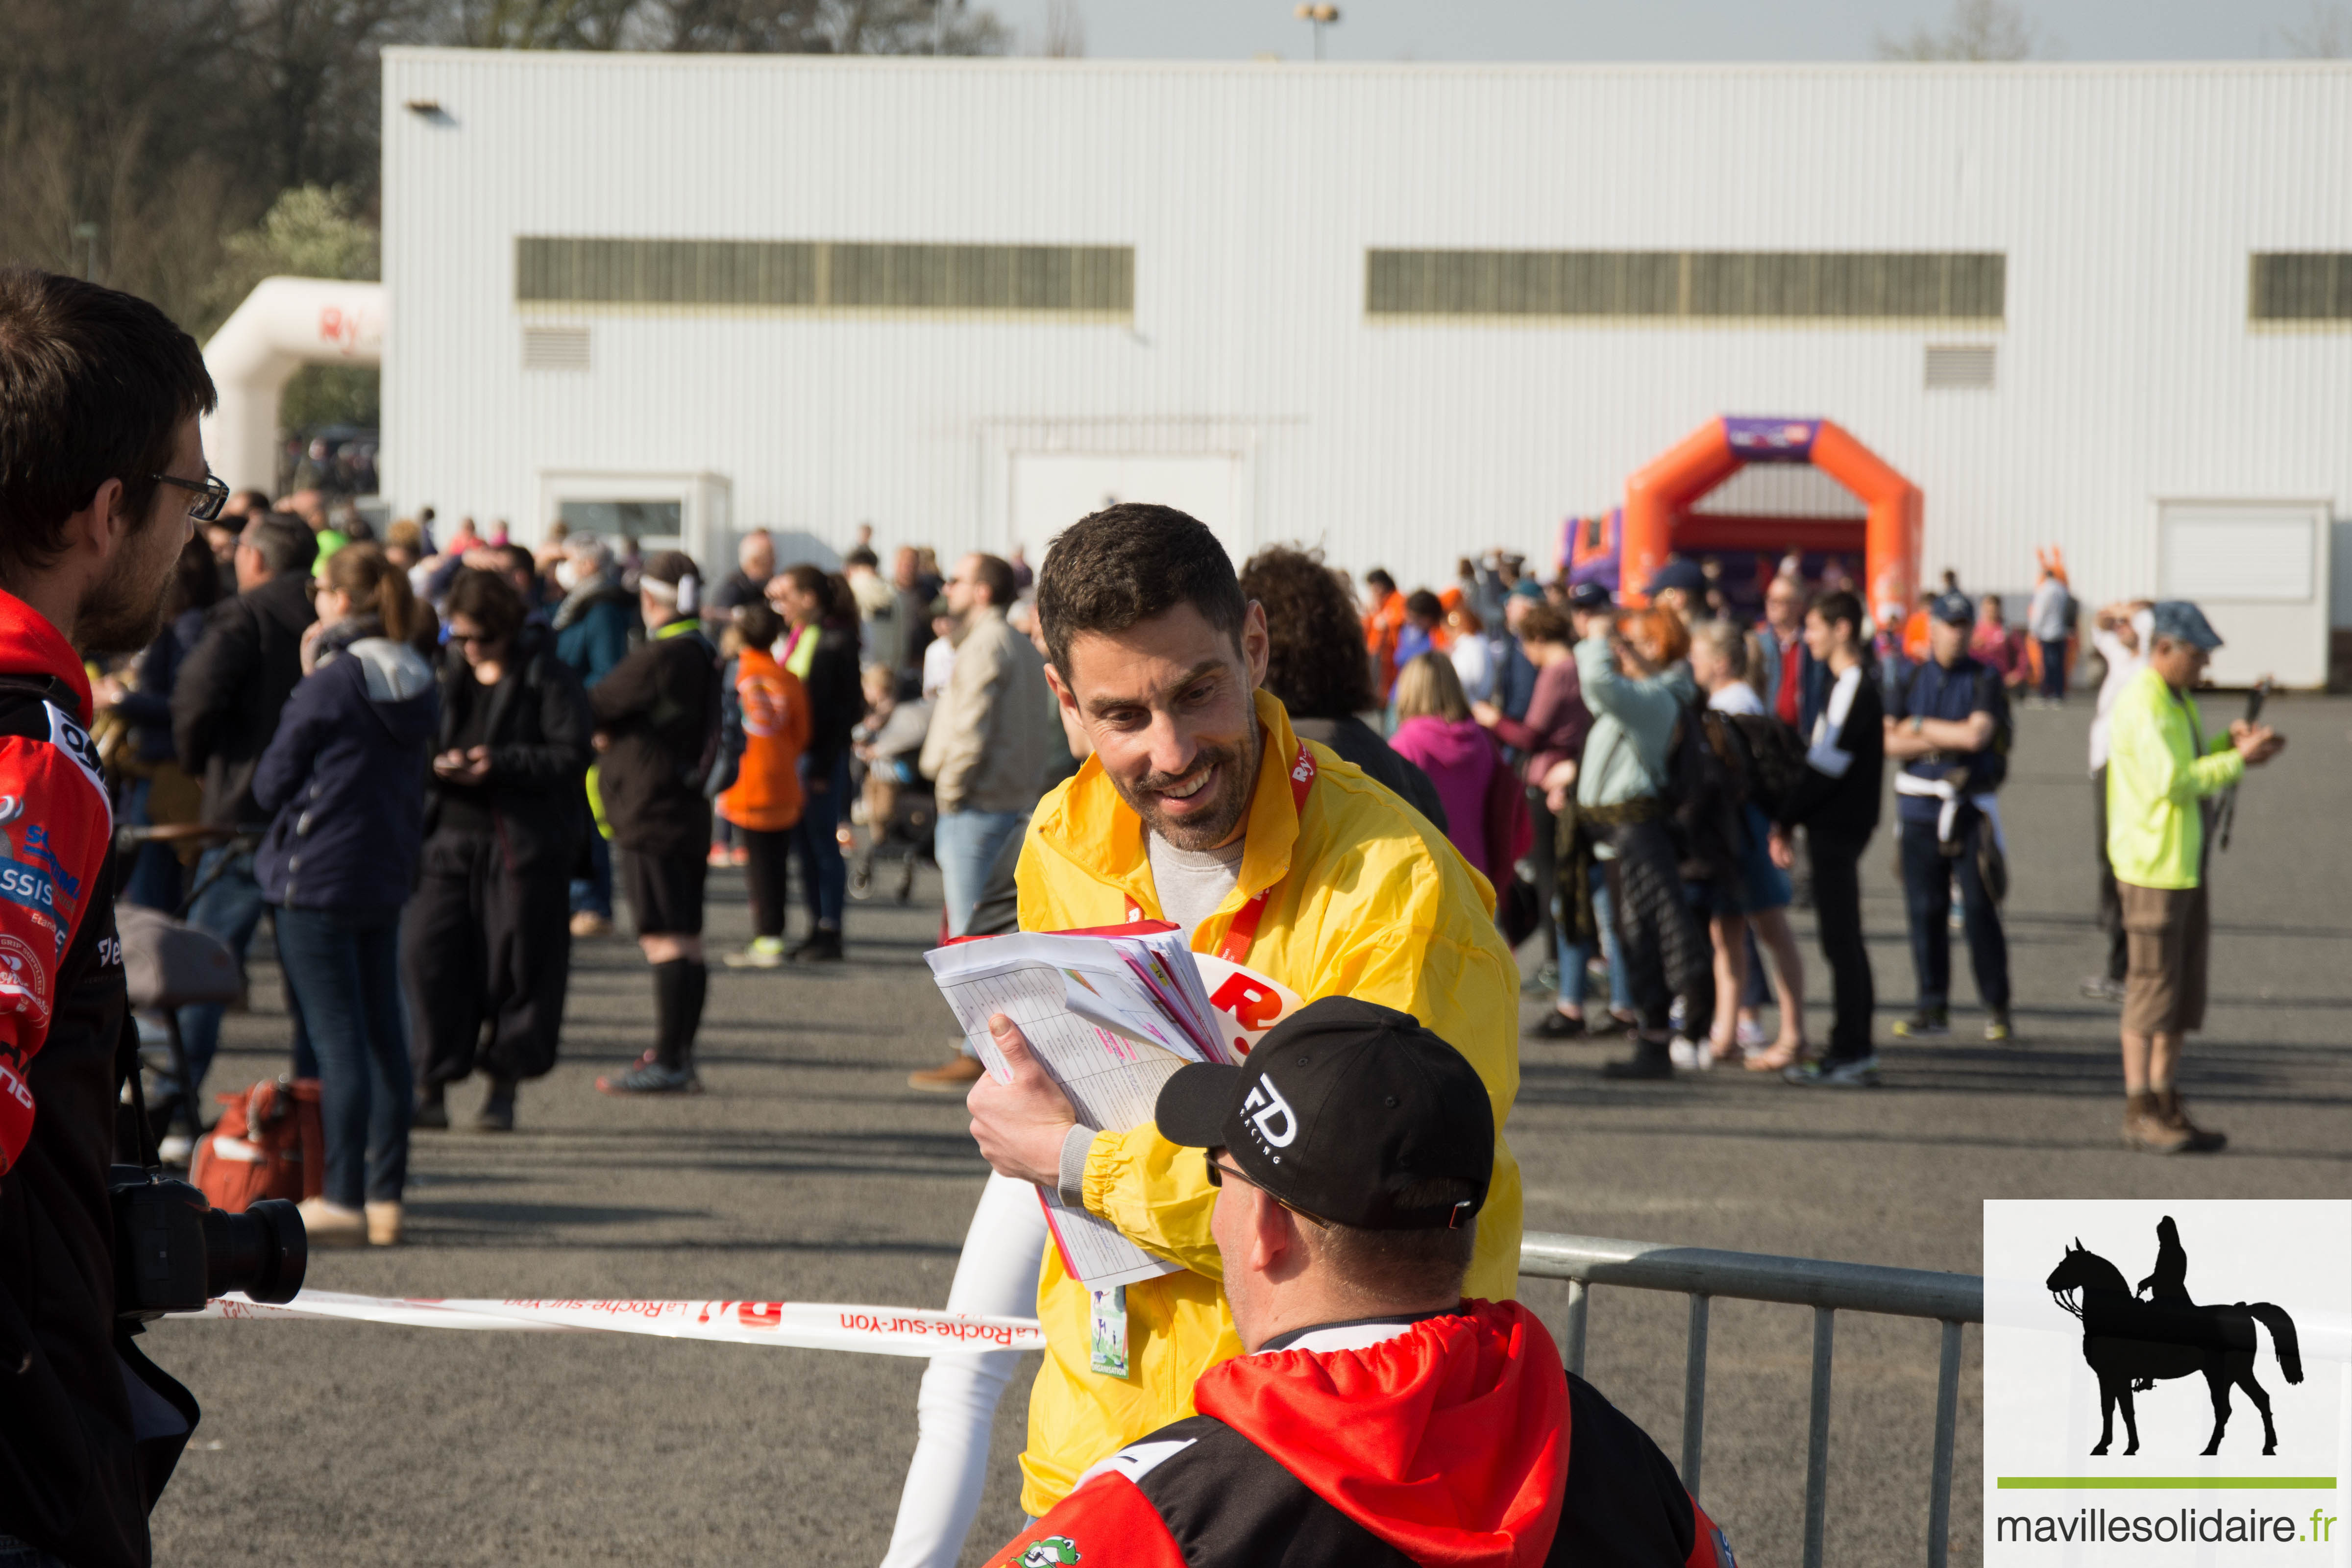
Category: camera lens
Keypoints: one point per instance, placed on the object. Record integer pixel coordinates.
(263, 1252)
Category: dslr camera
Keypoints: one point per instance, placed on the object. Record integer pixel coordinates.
(173, 1251)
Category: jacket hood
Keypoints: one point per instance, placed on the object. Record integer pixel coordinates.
(396, 680)
(1449, 1441)
(1447, 743)
(585, 595)
(30, 645)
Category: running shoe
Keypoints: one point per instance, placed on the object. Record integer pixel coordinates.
(651, 1077)
(1689, 1055)
(765, 953)
(1544, 981)
(1750, 1035)
(1997, 1029)
(1558, 1025)
(2099, 988)
(1926, 1023)
(1858, 1072)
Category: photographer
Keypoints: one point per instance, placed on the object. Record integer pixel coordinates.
(102, 477)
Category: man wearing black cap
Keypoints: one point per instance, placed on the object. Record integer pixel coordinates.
(1950, 731)
(657, 726)
(1681, 586)
(1379, 1418)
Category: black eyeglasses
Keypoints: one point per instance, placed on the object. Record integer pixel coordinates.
(1217, 1174)
(211, 494)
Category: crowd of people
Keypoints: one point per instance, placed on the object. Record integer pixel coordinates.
(430, 760)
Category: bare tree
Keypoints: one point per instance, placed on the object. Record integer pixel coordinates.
(1978, 30)
(1066, 31)
(2325, 33)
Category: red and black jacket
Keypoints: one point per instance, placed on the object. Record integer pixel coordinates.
(1454, 1440)
(89, 1430)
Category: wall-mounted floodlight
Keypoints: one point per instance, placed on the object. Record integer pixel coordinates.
(427, 107)
(1319, 17)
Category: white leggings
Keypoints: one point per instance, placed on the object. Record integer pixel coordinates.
(998, 1275)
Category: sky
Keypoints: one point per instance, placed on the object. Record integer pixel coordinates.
(1663, 29)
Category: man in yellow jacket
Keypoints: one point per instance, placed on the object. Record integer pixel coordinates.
(1201, 806)
(2160, 769)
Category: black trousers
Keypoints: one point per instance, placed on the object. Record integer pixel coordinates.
(1837, 913)
(1927, 877)
(2111, 903)
(1667, 949)
(766, 872)
(485, 951)
(1543, 857)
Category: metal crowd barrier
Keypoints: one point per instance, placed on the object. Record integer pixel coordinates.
(1703, 1273)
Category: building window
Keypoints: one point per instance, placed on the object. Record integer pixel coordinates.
(1959, 368)
(1714, 285)
(827, 274)
(555, 348)
(2301, 286)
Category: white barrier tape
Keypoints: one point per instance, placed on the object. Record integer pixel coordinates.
(803, 1325)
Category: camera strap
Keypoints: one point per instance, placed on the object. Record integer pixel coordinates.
(127, 1069)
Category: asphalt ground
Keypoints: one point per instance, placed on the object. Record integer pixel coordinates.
(811, 1173)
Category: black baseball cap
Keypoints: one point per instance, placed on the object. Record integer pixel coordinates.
(1589, 597)
(1953, 609)
(1343, 1105)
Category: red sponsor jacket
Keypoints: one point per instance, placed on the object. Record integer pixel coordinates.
(56, 827)
(1455, 1440)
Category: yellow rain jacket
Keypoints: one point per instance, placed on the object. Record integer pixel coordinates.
(1370, 901)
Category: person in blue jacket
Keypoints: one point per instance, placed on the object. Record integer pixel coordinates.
(595, 625)
(344, 779)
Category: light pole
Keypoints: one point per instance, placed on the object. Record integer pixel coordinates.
(1318, 17)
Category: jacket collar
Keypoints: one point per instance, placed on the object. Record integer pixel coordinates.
(30, 645)
(1101, 834)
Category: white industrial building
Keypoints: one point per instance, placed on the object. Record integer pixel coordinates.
(1404, 311)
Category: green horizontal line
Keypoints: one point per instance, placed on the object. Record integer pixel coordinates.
(2168, 1483)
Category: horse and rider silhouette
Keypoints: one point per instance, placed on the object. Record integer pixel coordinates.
(2132, 1344)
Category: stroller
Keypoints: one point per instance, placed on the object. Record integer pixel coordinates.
(895, 800)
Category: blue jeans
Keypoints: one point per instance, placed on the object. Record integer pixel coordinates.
(593, 894)
(230, 907)
(968, 843)
(1574, 955)
(154, 878)
(1928, 879)
(345, 968)
(823, 875)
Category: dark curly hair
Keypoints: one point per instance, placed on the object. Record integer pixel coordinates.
(1317, 662)
(1126, 563)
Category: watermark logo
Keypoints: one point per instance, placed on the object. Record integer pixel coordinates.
(2168, 1382)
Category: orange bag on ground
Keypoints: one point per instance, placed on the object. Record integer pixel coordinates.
(269, 1143)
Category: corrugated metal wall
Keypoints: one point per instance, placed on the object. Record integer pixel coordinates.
(2126, 200)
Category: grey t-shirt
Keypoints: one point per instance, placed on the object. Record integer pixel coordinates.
(1191, 883)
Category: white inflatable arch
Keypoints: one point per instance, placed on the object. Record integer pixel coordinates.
(284, 324)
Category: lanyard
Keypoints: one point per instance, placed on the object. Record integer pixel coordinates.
(1244, 930)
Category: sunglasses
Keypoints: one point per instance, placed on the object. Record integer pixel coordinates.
(211, 494)
(1217, 1174)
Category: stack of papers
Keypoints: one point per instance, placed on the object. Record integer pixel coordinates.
(1110, 1015)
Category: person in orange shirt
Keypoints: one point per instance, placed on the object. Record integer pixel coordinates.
(772, 708)
(1382, 622)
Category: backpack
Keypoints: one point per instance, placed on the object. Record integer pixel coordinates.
(269, 1143)
(1705, 787)
(1773, 758)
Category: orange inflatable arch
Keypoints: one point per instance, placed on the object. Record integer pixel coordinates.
(1658, 500)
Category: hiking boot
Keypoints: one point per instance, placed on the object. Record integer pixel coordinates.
(383, 1224)
(1558, 1025)
(497, 1114)
(588, 922)
(430, 1112)
(1926, 1023)
(1853, 1072)
(332, 1224)
(821, 945)
(951, 1077)
(2144, 1128)
(1650, 1059)
(1997, 1029)
(651, 1077)
(2099, 988)
(2174, 1116)
(765, 953)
